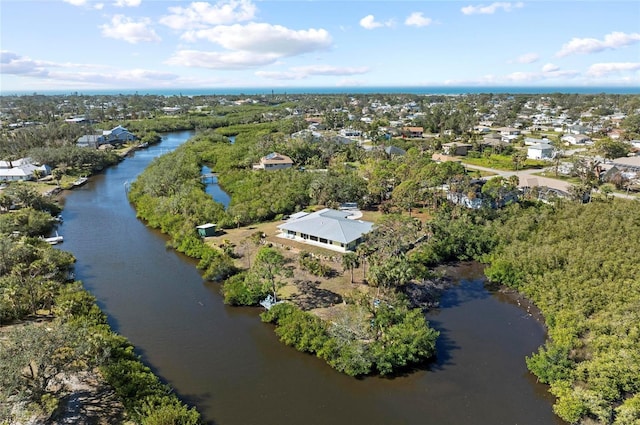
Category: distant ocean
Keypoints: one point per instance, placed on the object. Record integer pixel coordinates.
(418, 90)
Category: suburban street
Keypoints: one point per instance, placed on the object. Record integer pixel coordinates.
(527, 178)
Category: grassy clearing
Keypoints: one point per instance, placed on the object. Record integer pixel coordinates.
(504, 162)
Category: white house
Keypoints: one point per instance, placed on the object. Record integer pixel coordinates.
(530, 141)
(21, 170)
(540, 151)
(576, 139)
(331, 229)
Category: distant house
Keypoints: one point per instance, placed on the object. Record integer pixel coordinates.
(394, 151)
(75, 120)
(530, 141)
(21, 170)
(413, 131)
(171, 110)
(631, 163)
(540, 151)
(116, 136)
(274, 161)
(459, 198)
(576, 139)
(509, 138)
(456, 149)
(615, 134)
(577, 129)
(331, 229)
(350, 132)
(496, 145)
(482, 129)
(91, 141)
(509, 131)
(307, 134)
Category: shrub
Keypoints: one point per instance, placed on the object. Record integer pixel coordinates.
(243, 289)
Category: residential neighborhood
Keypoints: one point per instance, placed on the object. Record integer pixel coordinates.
(346, 219)
(470, 129)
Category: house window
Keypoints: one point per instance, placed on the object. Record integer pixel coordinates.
(314, 238)
(323, 240)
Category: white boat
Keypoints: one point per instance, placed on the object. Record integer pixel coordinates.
(54, 240)
(80, 181)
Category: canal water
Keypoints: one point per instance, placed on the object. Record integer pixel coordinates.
(233, 368)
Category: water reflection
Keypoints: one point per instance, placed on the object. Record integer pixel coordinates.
(235, 369)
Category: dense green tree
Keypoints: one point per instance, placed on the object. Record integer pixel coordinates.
(269, 266)
(572, 262)
(610, 148)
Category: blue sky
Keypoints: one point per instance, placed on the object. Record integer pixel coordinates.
(147, 44)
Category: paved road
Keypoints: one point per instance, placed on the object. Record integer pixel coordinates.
(527, 178)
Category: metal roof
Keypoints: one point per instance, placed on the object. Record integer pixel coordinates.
(329, 224)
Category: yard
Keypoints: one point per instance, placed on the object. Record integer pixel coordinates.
(504, 162)
(311, 292)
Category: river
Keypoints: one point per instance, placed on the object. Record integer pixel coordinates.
(230, 365)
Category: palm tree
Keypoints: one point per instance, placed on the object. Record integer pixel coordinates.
(364, 251)
(350, 261)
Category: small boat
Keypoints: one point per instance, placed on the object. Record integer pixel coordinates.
(143, 145)
(80, 181)
(54, 240)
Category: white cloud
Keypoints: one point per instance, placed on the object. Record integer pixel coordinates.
(331, 70)
(604, 69)
(548, 72)
(203, 14)
(74, 74)
(417, 20)
(221, 60)
(127, 3)
(491, 9)
(526, 58)
(613, 41)
(79, 3)
(523, 76)
(369, 22)
(123, 28)
(302, 72)
(262, 38)
(76, 2)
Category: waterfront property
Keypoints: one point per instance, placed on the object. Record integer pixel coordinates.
(331, 229)
(22, 170)
(116, 136)
(274, 161)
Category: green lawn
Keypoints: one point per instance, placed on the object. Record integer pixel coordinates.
(504, 162)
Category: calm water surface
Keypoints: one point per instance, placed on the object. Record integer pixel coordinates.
(233, 368)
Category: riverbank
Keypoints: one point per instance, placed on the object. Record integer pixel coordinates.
(116, 387)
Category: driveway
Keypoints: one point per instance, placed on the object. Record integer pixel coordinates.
(527, 178)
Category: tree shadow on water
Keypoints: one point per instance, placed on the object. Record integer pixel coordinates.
(201, 402)
(462, 292)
